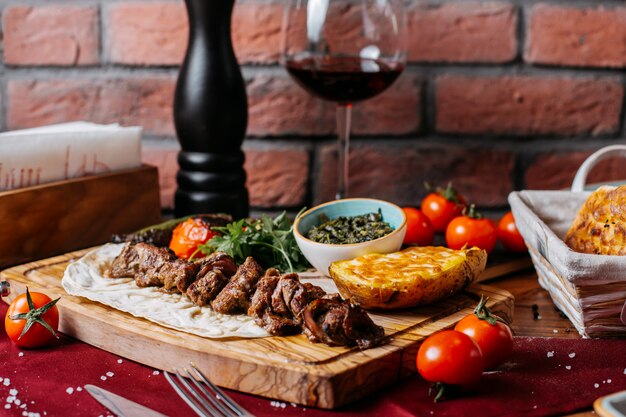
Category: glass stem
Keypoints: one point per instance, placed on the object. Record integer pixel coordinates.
(344, 119)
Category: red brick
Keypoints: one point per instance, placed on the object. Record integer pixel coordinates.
(396, 172)
(155, 33)
(145, 102)
(522, 105)
(395, 112)
(277, 106)
(556, 170)
(593, 37)
(277, 178)
(143, 33)
(166, 160)
(256, 32)
(51, 35)
(463, 32)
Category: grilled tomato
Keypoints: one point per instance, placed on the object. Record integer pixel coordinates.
(187, 235)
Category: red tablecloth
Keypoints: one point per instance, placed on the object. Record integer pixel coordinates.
(543, 377)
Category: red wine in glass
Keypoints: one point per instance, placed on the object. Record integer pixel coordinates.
(344, 79)
(344, 51)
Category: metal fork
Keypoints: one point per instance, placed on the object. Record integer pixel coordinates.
(204, 397)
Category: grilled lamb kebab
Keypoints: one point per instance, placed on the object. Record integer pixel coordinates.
(281, 304)
(155, 267)
(152, 266)
(236, 295)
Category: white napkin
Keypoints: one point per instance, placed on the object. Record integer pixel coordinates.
(69, 150)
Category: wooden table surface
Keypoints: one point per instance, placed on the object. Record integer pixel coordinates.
(548, 322)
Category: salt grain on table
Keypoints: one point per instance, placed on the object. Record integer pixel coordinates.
(608, 381)
(104, 378)
(550, 354)
(79, 388)
(568, 367)
(10, 399)
(155, 373)
(119, 361)
(7, 406)
(110, 374)
(555, 331)
(7, 381)
(571, 355)
(596, 385)
(20, 354)
(69, 390)
(13, 391)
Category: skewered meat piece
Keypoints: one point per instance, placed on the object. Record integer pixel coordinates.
(235, 297)
(292, 296)
(152, 266)
(337, 322)
(218, 261)
(215, 272)
(261, 307)
(206, 288)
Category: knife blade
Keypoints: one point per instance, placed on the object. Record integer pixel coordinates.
(120, 406)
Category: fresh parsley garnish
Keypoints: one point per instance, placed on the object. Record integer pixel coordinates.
(269, 241)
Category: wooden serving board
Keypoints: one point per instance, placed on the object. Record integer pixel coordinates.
(290, 369)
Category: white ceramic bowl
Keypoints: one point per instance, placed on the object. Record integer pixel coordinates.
(321, 255)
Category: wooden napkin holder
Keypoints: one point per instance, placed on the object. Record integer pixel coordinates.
(50, 219)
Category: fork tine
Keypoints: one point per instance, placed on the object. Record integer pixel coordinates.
(213, 398)
(222, 395)
(183, 394)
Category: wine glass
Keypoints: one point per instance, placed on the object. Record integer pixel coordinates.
(344, 51)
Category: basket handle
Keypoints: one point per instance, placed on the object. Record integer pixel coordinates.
(580, 179)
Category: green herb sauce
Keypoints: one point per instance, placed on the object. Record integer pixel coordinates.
(347, 230)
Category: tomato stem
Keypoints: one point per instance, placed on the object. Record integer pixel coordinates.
(472, 213)
(484, 313)
(34, 315)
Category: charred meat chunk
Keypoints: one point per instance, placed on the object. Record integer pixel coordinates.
(235, 297)
(291, 296)
(206, 288)
(151, 266)
(218, 261)
(337, 322)
(261, 307)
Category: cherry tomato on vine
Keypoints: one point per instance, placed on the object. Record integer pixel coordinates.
(509, 235)
(450, 358)
(471, 229)
(32, 320)
(188, 235)
(441, 206)
(492, 335)
(419, 231)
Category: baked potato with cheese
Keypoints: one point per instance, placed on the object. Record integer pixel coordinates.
(411, 277)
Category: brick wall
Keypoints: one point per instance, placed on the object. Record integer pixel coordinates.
(498, 95)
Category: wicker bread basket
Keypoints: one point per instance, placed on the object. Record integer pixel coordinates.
(589, 289)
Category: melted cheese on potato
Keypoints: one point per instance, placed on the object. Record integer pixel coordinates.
(414, 276)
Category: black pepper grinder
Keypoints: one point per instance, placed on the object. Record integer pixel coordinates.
(210, 116)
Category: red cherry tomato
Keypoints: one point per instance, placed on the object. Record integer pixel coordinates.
(450, 357)
(471, 230)
(492, 336)
(45, 313)
(442, 206)
(419, 231)
(509, 235)
(188, 235)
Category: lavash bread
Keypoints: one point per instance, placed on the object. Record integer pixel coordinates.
(600, 226)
